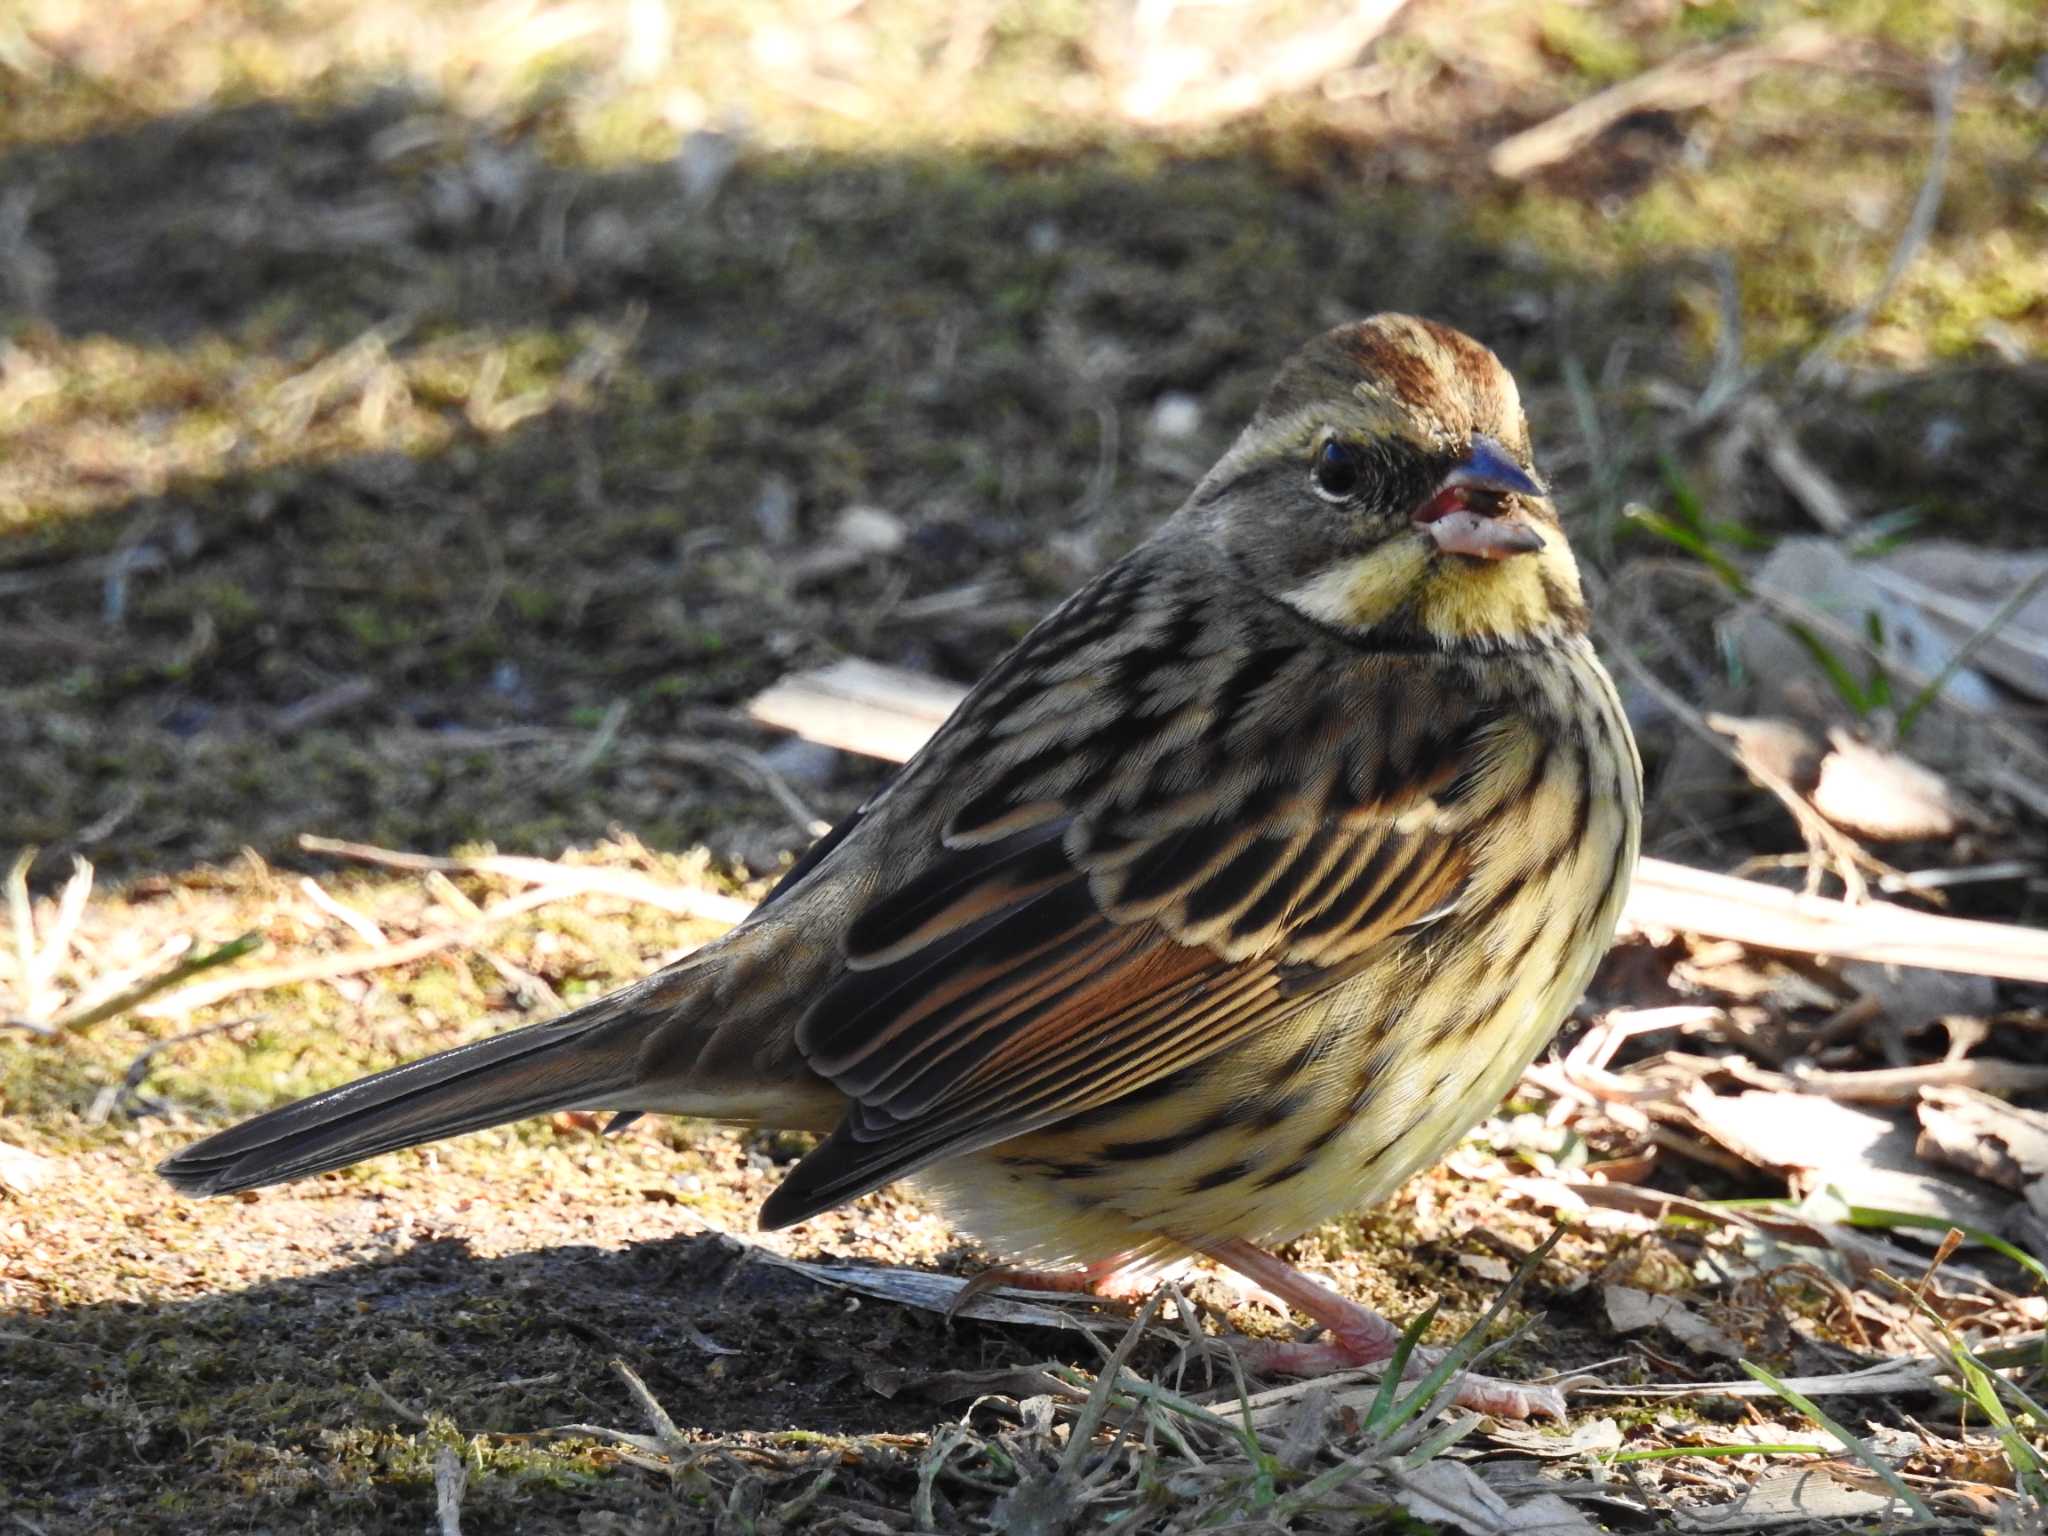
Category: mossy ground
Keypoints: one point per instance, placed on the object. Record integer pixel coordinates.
(384, 354)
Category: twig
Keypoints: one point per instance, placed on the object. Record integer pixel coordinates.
(1693, 79)
(1821, 836)
(348, 694)
(342, 913)
(126, 999)
(349, 962)
(1790, 607)
(591, 753)
(751, 765)
(1969, 648)
(1947, 85)
(562, 879)
(38, 962)
(1849, 857)
(128, 1097)
(1673, 896)
(24, 919)
(1729, 378)
(1805, 481)
(1902, 1085)
(1300, 61)
(451, 1480)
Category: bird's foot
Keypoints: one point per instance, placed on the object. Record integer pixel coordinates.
(1360, 1336)
(1480, 1394)
(1114, 1279)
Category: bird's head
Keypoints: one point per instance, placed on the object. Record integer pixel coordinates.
(1386, 487)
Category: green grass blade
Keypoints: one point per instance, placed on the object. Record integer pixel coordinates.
(1673, 1452)
(2012, 605)
(1863, 1453)
(149, 986)
(1468, 1343)
(1379, 1415)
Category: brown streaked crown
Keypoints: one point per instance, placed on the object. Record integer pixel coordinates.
(1414, 377)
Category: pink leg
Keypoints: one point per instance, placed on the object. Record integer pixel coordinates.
(1360, 1336)
(1112, 1279)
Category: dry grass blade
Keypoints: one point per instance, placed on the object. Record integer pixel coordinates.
(561, 879)
(1691, 80)
(184, 970)
(1948, 78)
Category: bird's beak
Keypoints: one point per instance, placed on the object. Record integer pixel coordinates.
(1470, 513)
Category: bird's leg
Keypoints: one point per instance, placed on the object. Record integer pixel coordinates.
(1360, 1336)
(1116, 1278)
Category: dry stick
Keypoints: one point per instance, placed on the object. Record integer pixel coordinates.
(350, 962)
(341, 912)
(562, 879)
(451, 1478)
(24, 930)
(1666, 895)
(1850, 858)
(39, 962)
(729, 757)
(148, 987)
(1693, 79)
(1948, 80)
(1902, 1085)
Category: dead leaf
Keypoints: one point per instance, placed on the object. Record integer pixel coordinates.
(23, 1172)
(1867, 1156)
(1629, 1310)
(1988, 1138)
(1455, 1495)
(1883, 795)
(1787, 1496)
(1959, 589)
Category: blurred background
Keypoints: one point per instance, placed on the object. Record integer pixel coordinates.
(428, 425)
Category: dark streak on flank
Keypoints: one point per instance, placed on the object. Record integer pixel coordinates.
(1475, 1027)
(1465, 1024)
(1159, 1089)
(1162, 1146)
(1537, 932)
(1216, 1178)
(1367, 1083)
(1326, 1135)
(1293, 1170)
(1277, 1111)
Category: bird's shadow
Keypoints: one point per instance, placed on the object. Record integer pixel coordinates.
(286, 1374)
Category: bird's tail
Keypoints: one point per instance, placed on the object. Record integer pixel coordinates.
(588, 1059)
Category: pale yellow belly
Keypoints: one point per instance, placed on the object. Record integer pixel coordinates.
(1331, 1110)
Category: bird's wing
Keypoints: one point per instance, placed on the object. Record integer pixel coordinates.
(1170, 858)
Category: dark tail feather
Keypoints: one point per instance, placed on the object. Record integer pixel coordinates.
(584, 1060)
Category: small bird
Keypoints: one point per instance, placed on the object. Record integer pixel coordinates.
(1232, 896)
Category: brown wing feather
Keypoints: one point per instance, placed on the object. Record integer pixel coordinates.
(1065, 948)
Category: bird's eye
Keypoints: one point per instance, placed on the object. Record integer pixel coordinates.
(1336, 473)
